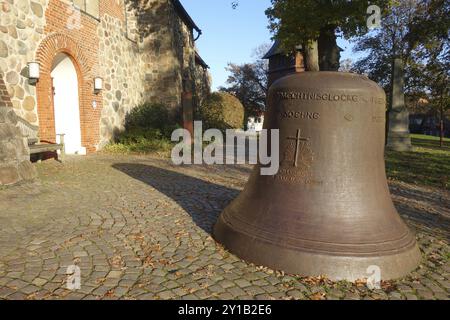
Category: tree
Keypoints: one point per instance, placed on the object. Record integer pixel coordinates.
(429, 35)
(409, 31)
(387, 43)
(417, 32)
(314, 24)
(248, 82)
(436, 74)
(346, 65)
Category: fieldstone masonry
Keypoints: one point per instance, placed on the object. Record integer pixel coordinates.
(121, 70)
(15, 163)
(21, 29)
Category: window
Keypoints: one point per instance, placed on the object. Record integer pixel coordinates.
(91, 7)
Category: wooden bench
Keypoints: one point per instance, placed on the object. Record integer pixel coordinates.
(31, 132)
(40, 148)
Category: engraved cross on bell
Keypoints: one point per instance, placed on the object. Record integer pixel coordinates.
(298, 139)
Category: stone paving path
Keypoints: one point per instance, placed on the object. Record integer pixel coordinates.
(139, 228)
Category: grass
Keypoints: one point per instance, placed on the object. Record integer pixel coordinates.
(430, 142)
(140, 141)
(428, 164)
(140, 147)
(163, 147)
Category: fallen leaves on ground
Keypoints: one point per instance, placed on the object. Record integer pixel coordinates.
(318, 296)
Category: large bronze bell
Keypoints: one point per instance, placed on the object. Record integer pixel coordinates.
(328, 210)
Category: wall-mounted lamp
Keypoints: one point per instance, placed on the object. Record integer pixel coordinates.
(33, 71)
(98, 84)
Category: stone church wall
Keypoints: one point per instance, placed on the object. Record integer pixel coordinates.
(121, 70)
(22, 25)
(161, 64)
(141, 48)
(15, 163)
(202, 84)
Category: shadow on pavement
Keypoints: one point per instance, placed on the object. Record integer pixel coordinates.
(203, 200)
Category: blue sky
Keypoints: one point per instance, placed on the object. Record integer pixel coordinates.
(232, 35)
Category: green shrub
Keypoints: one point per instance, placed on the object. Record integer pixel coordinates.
(135, 135)
(148, 128)
(139, 140)
(143, 146)
(151, 117)
(222, 111)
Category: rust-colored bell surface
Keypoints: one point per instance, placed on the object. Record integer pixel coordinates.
(328, 210)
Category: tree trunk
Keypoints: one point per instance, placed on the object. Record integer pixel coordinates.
(312, 56)
(329, 51)
(441, 125)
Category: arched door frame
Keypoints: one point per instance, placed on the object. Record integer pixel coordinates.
(49, 48)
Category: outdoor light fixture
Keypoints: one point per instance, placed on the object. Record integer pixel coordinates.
(33, 71)
(98, 84)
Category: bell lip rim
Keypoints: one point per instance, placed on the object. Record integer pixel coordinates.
(373, 254)
(340, 267)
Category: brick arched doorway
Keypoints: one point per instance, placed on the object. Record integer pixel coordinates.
(50, 48)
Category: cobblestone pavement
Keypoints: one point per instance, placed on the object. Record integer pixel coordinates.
(139, 228)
